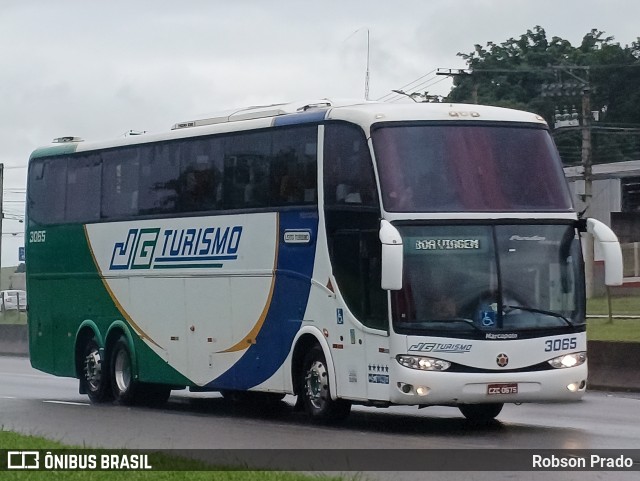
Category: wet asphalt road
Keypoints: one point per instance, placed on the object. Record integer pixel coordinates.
(32, 402)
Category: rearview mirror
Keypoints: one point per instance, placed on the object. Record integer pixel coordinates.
(392, 256)
(610, 249)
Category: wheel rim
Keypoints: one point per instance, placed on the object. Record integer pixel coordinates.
(316, 385)
(93, 368)
(122, 371)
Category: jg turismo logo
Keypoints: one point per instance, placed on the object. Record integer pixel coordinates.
(157, 248)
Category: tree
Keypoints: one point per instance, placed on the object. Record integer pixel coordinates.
(511, 74)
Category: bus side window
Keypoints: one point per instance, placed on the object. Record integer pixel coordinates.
(246, 170)
(120, 181)
(199, 179)
(293, 177)
(83, 188)
(349, 175)
(159, 170)
(48, 190)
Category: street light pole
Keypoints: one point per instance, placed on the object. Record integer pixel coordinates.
(402, 92)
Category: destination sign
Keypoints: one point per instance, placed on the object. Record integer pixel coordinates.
(446, 244)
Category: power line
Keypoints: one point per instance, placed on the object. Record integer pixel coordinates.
(409, 85)
(424, 85)
(391, 94)
(528, 69)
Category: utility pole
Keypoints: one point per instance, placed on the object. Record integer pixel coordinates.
(450, 72)
(569, 89)
(588, 184)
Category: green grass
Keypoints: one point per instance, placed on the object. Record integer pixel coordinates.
(13, 317)
(622, 328)
(188, 469)
(627, 330)
(620, 306)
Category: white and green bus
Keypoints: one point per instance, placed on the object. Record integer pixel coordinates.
(344, 252)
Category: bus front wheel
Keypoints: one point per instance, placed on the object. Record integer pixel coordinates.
(315, 390)
(95, 373)
(480, 413)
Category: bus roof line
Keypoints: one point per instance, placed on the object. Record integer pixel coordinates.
(55, 149)
(264, 111)
(361, 112)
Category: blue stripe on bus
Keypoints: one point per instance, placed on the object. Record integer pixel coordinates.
(196, 258)
(284, 317)
(315, 115)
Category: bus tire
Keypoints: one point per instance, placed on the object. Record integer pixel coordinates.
(315, 390)
(126, 389)
(94, 378)
(123, 384)
(480, 413)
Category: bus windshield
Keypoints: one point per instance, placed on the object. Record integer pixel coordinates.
(427, 167)
(480, 279)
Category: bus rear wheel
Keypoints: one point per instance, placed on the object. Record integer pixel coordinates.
(126, 389)
(481, 413)
(123, 383)
(315, 390)
(94, 379)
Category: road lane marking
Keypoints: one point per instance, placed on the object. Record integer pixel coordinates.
(8, 397)
(71, 403)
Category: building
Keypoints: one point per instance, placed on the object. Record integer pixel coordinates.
(615, 200)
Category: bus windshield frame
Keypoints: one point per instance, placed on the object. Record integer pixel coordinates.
(484, 280)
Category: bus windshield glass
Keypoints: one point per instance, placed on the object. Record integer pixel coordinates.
(453, 167)
(481, 279)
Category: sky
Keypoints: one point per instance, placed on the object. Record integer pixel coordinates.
(99, 69)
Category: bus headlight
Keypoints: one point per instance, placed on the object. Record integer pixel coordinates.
(568, 360)
(423, 363)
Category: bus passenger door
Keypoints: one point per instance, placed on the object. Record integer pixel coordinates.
(362, 325)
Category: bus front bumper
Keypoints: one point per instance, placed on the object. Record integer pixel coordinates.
(410, 386)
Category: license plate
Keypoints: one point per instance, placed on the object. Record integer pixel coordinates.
(501, 389)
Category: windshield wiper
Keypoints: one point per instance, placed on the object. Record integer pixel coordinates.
(539, 311)
(452, 320)
(458, 320)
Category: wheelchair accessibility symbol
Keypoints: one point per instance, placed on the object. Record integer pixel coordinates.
(488, 318)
